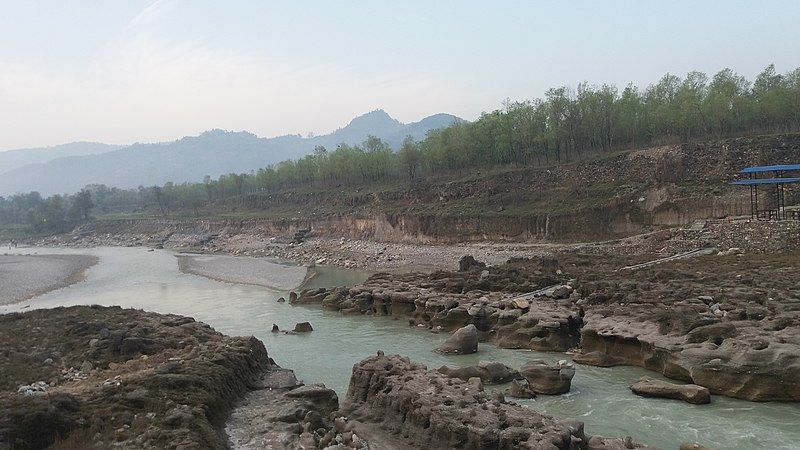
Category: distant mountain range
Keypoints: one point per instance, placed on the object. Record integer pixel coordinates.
(68, 168)
(12, 159)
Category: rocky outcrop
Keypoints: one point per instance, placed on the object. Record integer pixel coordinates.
(485, 296)
(489, 372)
(725, 322)
(544, 378)
(429, 410)
(146, 380)
(120, 378)
(744, 342)
(728, 322)
(462, 342)
(690, 393)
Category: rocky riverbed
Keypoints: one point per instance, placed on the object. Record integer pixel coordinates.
(430, 410)
(729, 322)
(102, 377)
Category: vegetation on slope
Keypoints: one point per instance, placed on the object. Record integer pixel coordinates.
(564, 126)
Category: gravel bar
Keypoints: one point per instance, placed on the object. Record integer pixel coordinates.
(244, 270)
(26, 276)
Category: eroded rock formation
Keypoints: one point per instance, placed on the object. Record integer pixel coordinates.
(119, 377)
(544, 378)
(729, 322)
(430, 410)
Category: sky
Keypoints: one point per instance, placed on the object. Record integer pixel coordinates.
(149, 71)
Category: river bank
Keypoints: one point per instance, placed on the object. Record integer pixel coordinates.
(318, 247)
(26, 276)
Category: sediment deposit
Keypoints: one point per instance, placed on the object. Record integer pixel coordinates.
(26, 276)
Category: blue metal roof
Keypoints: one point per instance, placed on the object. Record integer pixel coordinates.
(758, 169)
(756, 181)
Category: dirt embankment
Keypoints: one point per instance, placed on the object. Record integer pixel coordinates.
(608, 197)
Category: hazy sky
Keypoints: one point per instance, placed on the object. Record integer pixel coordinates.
(143, 70)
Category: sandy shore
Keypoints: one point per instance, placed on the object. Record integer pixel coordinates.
(245, 270)
(26, 276)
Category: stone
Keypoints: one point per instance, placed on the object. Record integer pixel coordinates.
(690, 393)
(561, 292)
(521, 303)
(275, 328)
(466, 263)
(693, 446)
(489, 372)
(463, 341)
(325, 400)
(281, 300)
(86, 367)
(520, 390)
(303, 327)
(432, 411)
(280, 379)
(550, 379)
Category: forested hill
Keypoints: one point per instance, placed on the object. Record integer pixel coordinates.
(190, 159)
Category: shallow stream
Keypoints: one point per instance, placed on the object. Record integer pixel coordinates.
(600, 397)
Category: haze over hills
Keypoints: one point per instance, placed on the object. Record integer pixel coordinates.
(191, 158)
(12, 159)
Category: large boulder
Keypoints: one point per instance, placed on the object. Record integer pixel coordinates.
(303, 327)
(463, 341)
(551, 379)
(691, 393)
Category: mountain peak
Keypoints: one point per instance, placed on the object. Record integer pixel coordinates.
(374, 119)
(213, 153)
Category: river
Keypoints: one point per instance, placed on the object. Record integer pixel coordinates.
(600, 397)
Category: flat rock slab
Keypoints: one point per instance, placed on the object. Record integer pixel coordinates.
(244, 270)
(26, 276)
(691, 393)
